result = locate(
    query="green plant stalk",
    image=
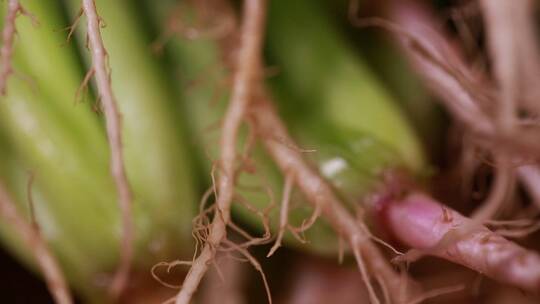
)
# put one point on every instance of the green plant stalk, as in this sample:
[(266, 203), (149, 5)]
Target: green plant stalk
[(155, 150), (329, 82), (51, 144), (55, 69), (77, 200), (202, 57), (199, 61), (358, 131), (14, 177), (63, 144), (334, 105)]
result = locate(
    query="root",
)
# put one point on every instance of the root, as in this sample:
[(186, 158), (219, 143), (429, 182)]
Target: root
[(298, 232), (502, 49), (248, 66), (341, 250), (440, 75), (28, 232), (436, 293), (321, 197), (169, 266), (529, 176), (84, 84), (225, 284), (30, 198), (255, 265), (209, 23), (8, 37), (384, 289), (71, 29), (420, 222), (466, 95), (514, 53), (451, 80), (500, 190), (114, 127), (522, 230), (380, 241), (50, 269), (455, 96), (284, 213), (365, 276)]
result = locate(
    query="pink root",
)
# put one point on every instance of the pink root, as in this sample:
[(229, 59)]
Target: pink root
[(431, 228)]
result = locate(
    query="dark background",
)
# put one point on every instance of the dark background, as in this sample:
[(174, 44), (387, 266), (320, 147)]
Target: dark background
[(18, 286)]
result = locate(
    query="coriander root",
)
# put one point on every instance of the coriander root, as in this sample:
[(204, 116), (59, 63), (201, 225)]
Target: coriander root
[(8, 35), (284, 213), (513, 51), (114, 126), (467, 95), (30, 235), (245, 81), (320, 195), (225, 284), (423, 224)]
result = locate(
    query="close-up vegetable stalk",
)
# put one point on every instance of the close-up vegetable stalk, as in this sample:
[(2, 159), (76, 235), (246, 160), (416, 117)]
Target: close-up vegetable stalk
[(62, 142), (173, 151)]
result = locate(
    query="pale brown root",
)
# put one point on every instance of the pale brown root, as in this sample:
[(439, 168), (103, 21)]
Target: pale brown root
[(514, 53), (380, 241), (518, 232), (404, 282), (455, 95), (251, 240), (502, 21), (365, 276), (210, 22), (384, 289), (517, 223), (298, 232), (467, 33), (169, 266), (8, 36), (341, 249), (225, 284), (255, 265), (319, 281), (265, 221), (84, 84), (284, 213), (468, 164), (499, 20), (442, 73), (31, 207), (71, 29), (306, 224), (245, 81), (504, 180), (529, 176), (320, 195), (46, 261), (436, 292), (467, 95), (114, 135)]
